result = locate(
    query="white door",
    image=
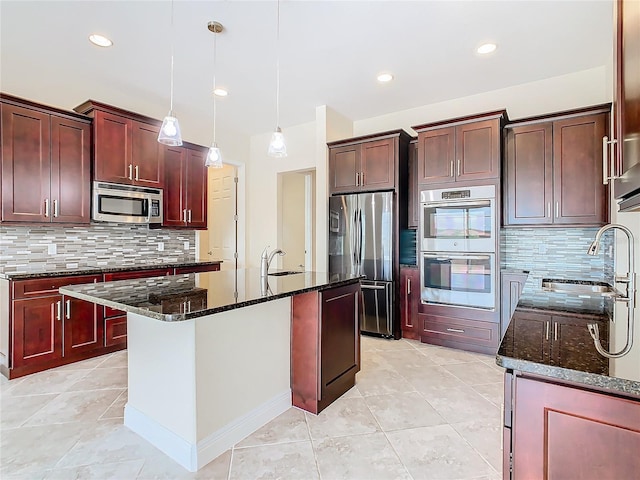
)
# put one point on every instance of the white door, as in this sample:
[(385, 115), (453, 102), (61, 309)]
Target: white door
[(221, 215)]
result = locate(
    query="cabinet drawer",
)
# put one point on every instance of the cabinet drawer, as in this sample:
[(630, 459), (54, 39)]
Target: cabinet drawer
[(47, 286), (115, 331), (197, 268), (459, 330)]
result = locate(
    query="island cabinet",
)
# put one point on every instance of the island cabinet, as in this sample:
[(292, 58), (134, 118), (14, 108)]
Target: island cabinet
[(627, 103), (554, 429), (45, 165), (185, 193), (512, 284), (125, 146), (325, 345), (409, 301), (368, 163), (554, 169), (49, 329), (460, 150)]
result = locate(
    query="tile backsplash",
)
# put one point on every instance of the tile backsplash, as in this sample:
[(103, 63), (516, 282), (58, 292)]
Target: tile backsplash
[(51, 247)]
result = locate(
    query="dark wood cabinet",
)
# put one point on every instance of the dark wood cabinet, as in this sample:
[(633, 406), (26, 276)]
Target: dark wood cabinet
[(125, 147), (554, 170), (185, 193), (510, 291), (369, 163), (131, 275), (37, 336), (409, 300), (325, 345), (627, 99), (45, 164), (196, 269), (460, 150), (556, 430), (413, 191), (560, 340)]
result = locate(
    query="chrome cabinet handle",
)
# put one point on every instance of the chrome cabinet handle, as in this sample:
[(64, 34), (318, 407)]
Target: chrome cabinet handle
[(458, 167), (549, 209), (189, 215), (55, 208), (408, 286), (46, 207), (451, 168), (67, 314), (137, 177), (184, 215), (605, 177), (557, 209), (357, 179), (456, 330), (361, 178), (130, 171), (555, 331), (546, 330), (59, 310)]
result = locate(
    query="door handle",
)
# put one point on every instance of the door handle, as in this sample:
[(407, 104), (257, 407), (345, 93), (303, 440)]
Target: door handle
[(458, 168), (451, 168), (357, 179), (546, 330), (59, 310), (189, 215), (67, 314), (456, 330), (605, 156), (408, 286), (184, 215), (362, 178), (555, 331), (46, 207), (372, 287), (55, 208), (557, 209), (549, 209), (130, 171), (137, 168)]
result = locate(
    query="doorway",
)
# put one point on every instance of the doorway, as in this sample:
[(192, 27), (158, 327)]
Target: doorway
[(296, 219)]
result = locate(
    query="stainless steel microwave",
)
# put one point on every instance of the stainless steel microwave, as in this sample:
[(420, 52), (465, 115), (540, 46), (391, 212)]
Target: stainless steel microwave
[(126, 204)]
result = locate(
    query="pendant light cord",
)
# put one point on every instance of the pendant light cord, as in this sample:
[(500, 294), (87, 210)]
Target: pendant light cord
[(171, 96), (215, 35), (278, 68)]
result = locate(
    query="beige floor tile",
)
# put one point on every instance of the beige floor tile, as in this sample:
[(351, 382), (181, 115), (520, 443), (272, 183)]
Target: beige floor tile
[(485, 436), (102, 378), (115, 360), (122, 470), (346, 416), (50, 381), (474, 373), (437, 452), (494, 392), (353, 392), (461, 404), (354, 458), (287, 460), (291, 426), (382, 382), (409, 410), (431, 379), (116, 409), (15, 411), (75, 407), (403, 360), (88, 364), (376, 343), (447, 356), (161, 467)]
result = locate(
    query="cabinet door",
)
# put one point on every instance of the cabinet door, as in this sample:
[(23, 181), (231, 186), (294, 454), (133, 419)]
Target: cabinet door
[(413, 215), (26, 165), (529, 165), (579, 195), (573, 347), (511, 288), (83, 326), (436, 151), (561, 432), (174, 193), (70, 170), (196, 190), (409, 299), (344, 169), (533, 329), (147, 155), (377, 165), (478, 150), (37, 330), (112, 148)]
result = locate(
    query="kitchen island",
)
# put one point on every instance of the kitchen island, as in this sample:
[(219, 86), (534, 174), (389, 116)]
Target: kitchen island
[(568, 411), (214, 356)]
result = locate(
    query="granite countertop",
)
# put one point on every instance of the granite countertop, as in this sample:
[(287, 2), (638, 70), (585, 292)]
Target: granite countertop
[(226, 290), (517, 349), (18, 273)]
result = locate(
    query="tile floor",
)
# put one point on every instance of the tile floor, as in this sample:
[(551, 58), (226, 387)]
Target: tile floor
[(417, 412)]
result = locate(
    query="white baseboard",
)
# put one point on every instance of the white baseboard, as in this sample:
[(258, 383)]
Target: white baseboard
[(192, 456)]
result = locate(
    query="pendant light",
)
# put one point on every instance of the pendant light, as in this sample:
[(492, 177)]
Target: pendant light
[(170, 130), (214, 157), (277, 146)]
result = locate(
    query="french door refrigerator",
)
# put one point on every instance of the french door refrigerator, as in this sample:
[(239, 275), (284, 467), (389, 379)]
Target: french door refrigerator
[(361, 243)]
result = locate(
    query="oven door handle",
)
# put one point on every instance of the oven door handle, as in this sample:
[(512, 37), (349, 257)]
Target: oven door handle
[(457, 257), (470, 203)]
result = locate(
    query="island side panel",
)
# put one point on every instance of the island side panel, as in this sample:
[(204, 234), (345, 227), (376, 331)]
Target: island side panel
[(305, 347), (5, 305)]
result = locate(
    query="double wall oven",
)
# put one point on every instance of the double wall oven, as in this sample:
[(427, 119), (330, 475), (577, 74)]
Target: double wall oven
[(458, 237)]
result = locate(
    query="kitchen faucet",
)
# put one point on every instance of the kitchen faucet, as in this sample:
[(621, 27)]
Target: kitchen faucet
[(629, 297), (265, 260)]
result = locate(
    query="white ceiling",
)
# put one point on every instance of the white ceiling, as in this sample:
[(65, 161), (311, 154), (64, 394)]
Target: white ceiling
[(331, 52)]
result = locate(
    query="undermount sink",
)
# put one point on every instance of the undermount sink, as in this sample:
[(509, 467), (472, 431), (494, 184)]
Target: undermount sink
[(579, 287), (281, 274)]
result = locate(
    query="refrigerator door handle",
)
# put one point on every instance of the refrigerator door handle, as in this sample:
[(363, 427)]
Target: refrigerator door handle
[(360, 236), (372, 287), (354, 238)]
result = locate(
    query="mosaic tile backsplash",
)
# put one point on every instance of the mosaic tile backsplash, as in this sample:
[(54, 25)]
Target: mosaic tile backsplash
[(27, 248)]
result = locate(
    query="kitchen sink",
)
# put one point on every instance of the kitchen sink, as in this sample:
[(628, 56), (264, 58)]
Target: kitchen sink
[(579, 287), (283, 273)]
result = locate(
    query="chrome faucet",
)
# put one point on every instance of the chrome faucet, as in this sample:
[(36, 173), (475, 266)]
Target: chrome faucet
[(265, 260), (630, 297)]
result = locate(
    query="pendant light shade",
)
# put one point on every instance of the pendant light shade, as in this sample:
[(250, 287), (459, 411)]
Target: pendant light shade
[(170, 133), (214, 157), (277, 146)]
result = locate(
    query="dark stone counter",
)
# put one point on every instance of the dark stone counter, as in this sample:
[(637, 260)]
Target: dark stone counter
[(184, 297), (11, 273)]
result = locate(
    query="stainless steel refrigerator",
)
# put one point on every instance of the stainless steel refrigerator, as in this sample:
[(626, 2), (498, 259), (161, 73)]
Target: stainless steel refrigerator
[(361, 243)]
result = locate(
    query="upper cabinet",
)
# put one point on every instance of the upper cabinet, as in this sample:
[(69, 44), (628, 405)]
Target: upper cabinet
[(45, 174), (368, 163), (126, 148), (460, 150), (553, 170), (627, 101)]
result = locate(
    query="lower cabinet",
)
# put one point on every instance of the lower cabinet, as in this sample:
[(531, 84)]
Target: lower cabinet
[(512, 284), (325, 345), (462, 333), (554, 430), (409, 301)]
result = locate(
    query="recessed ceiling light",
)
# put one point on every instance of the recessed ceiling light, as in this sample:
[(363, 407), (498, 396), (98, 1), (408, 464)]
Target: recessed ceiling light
[(220, 92), (100, 40), (486, 48), (385, 77)]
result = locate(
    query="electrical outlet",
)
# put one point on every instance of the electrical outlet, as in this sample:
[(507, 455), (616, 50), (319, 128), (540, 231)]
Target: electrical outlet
[(186, 245), (161, 246), (52, 249)]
